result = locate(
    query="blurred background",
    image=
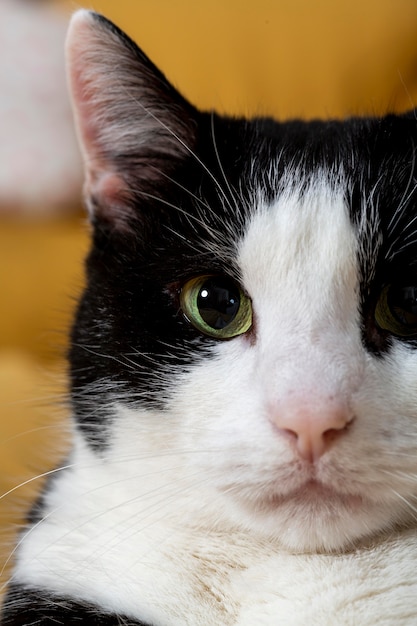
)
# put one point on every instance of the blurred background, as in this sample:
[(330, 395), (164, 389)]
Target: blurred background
[(287, 58)]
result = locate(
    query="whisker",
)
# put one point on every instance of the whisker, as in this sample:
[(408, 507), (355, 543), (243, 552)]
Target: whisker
[(31, 431), (150, 510), (104, 355), (180, 141), (34, 478), (402, 248), (17, 546), (129, 458), (406, 502), (408, 193), (199, 200), (214, 234), (410, 477), (229, 188)]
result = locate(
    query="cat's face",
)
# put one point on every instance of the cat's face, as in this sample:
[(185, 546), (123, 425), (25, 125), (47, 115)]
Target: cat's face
[(250, 318)]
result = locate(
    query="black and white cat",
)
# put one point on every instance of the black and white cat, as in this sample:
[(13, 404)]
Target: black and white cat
[(243, 368)]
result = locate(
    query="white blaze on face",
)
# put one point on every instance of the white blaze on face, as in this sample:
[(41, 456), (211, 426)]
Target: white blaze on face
[(299, 265)]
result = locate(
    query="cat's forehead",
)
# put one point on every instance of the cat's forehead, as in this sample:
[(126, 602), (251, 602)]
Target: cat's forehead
[(303, 238), (300, 263)]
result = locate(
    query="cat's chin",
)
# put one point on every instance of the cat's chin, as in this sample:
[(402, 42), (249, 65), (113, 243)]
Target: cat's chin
[(315, 518)]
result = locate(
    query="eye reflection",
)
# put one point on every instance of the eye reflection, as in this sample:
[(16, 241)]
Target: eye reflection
[(217, 306)]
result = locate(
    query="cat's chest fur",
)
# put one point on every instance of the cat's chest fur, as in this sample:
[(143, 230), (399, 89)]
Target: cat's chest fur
[(171, 566), (243, 367)]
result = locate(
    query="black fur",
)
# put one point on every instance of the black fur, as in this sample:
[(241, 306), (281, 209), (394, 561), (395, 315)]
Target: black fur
[(34, 607)]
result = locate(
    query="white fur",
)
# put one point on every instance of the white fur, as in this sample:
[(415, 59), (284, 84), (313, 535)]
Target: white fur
[(198, 516)]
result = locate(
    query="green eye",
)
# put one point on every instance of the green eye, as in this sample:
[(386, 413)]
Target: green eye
[(396, 310), (216, 306)]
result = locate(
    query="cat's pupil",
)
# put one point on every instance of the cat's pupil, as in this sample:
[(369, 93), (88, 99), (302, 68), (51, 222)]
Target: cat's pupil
[(403, 303), (218, 302)]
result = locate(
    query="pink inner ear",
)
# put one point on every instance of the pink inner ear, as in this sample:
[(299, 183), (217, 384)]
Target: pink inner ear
[(108, 188), (84, 115), (108, 198), (81, 44), (111, 85)]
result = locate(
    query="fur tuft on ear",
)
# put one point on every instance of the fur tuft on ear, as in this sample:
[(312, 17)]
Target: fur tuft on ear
[(132, 124)]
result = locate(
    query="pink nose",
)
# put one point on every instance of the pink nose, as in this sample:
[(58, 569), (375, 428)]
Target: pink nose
[(313, 426)]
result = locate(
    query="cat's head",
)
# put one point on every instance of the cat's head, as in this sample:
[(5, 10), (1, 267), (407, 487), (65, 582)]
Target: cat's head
[(250, 315)]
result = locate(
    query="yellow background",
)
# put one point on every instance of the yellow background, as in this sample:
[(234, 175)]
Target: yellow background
[(285, 57)]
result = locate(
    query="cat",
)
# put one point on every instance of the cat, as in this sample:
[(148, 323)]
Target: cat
[(243, 367)]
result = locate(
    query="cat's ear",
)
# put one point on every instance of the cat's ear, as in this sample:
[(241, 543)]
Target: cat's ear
[(133, 126)]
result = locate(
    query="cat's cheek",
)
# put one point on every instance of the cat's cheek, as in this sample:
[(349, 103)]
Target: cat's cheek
[(220, 402)]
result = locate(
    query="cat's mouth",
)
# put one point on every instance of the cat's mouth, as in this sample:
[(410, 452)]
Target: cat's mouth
[(316, 493), (316, 497), (314, 516)]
